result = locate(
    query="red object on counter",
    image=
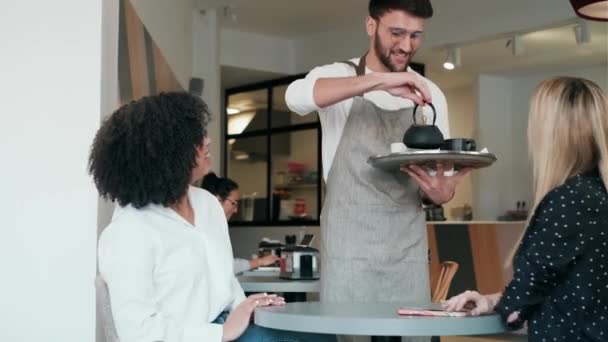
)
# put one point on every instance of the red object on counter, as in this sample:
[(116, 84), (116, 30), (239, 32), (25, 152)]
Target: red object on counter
[(295, 167), (282, 265), (299, 208)]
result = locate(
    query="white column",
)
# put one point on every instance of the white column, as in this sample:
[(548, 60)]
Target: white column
[(493, 187), (110, 100), (51, 90), (206, 65)]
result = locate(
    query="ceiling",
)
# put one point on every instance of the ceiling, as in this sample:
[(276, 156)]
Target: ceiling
[(297, 18), (546, 50), (234, 77), (550, 49)]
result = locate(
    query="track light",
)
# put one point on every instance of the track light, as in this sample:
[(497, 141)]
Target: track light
[(516, 44), (452, 59), (232, 111), (582, 32), (230, 12)]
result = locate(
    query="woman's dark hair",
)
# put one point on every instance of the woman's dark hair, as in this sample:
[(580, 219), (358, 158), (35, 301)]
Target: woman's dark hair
[(219, 186), (144, 153), (418, 8)]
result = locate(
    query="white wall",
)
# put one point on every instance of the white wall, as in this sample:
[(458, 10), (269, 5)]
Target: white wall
[(257, 52), (503, 104), (170, 26), (523, 87), (461, 108), (206, 65), (50, 110), (494, 185)]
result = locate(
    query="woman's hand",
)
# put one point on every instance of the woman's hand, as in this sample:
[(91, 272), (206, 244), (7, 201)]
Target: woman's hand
[(239, 318), (477, 304)]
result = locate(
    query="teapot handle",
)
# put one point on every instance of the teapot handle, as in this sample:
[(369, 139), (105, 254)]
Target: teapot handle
[(434, 112)]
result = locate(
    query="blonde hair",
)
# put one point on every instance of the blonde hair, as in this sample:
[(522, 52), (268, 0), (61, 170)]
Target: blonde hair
[(567, 135)]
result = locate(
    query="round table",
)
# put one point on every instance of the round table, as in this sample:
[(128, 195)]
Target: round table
[(370, 319), (293, 290)]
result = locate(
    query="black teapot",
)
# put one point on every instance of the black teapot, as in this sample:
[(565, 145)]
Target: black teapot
[(423, 136)]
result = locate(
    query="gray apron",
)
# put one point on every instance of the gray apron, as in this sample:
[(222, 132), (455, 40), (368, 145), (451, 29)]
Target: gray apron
[(374, 243)]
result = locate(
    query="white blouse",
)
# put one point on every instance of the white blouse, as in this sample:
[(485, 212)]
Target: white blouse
[(299, 98), (167, 279)]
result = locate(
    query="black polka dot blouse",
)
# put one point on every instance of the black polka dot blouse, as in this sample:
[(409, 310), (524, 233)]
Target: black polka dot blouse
[(560, 280)]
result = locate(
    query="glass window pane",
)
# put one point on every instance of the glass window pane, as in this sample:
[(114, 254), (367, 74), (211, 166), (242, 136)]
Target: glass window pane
[(281, 115), (294, 176), (247, 111), (248, 166)]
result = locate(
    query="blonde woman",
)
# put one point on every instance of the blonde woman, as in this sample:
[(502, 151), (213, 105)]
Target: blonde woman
[(560, 281)]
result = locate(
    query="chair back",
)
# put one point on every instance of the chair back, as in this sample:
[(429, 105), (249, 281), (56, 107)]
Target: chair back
[(105, 310), (446, 274)]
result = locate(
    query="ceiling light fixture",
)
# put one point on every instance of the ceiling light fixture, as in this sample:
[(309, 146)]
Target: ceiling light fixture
[(232, 111), (516, 45), (452, 59), (238, 123), (230, 12), (582, 32), (242, 156), (591, 9)]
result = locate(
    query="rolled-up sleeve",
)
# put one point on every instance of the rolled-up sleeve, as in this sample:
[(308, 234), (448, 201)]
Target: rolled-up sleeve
[(241, 265), (299, 96)]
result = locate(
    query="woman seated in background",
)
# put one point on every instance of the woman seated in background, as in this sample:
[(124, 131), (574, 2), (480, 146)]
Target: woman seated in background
[(166, 255), (561, 265), (227, 192)]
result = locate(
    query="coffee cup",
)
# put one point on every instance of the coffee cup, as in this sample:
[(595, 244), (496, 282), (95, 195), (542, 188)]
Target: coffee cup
[(459, 144)]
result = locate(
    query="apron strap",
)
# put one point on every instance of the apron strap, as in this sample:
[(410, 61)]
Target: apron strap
[(360, 69)]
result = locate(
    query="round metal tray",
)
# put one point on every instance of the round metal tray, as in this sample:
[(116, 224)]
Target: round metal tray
[(459, 159)]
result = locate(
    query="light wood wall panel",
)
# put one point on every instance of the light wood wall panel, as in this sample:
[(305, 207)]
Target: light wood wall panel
[(138, 64)]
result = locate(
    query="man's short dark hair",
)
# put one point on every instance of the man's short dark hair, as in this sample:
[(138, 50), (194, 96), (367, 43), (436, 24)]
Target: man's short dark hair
[(418, 8), (144, 153)]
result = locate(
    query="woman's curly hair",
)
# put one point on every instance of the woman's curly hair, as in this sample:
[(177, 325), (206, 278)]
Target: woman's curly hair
[(144, 153)]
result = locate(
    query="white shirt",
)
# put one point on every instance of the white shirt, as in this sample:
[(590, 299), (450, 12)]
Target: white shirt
[(299, 98), (167, 278), (241, 265)]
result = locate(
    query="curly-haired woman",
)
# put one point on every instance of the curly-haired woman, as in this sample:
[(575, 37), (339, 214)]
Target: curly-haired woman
[(166, 255)]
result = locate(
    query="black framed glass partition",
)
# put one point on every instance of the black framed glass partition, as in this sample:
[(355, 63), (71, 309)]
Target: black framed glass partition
[(274, 155)]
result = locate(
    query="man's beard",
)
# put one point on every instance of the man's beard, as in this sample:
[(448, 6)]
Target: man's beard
[(385, 58)]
